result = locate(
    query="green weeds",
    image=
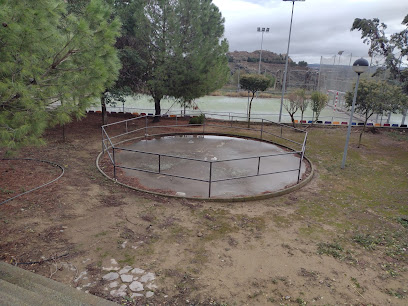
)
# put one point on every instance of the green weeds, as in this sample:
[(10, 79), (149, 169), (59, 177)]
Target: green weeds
[(331, 249)]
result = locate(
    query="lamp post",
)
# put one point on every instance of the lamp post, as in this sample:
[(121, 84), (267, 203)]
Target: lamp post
[(359, 66), (263, 30), (287, 59)]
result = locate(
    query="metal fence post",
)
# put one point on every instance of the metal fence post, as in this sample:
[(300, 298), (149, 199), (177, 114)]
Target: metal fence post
[(259, 162), (103, 142), (114, 164), (159, 163), (232, 119), (300, 165), (209, 181), (301, 157), (262, 128), (281, 131), (204, 120), (145, 126)]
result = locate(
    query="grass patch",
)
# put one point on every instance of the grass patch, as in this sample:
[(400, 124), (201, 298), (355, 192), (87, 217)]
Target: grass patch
[(399, 293), (101, 234), (217, 222), (6, 191), (331, 249), (128, 260), (393, 243), (369, 242), (403, 222)]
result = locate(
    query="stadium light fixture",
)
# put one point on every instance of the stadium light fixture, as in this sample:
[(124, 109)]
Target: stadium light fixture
[(359, 66), (263, 30), (287, 59)]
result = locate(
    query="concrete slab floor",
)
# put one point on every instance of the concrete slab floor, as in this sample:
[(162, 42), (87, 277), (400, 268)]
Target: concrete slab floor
[(208, 148)]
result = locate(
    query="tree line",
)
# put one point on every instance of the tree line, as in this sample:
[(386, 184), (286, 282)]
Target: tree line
[(57, 57)]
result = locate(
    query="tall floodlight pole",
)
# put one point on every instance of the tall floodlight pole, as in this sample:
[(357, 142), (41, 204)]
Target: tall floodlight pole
[(340, 53), (359, 67), (263, 30), (287, 60)]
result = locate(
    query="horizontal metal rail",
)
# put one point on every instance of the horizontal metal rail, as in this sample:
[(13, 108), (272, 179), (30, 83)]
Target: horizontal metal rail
[(146, 129), (253, 157), (163, 173), (253, 175), (127, 133), (164, 155), (207, 161), (292, 141), (203, 180)]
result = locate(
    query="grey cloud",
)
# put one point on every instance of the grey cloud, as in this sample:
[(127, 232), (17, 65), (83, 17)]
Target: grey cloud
[(319, 27)]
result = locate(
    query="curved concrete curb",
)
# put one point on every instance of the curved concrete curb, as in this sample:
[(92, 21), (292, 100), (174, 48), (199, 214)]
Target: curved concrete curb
[(234, 199)]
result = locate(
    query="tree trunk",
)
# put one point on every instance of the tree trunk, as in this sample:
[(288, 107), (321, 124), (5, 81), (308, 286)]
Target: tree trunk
[(301, 119), (362, 132), (249, 110), (104, 113), (157, 109)]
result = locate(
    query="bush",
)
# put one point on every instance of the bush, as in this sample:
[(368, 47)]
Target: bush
[(197, 120)]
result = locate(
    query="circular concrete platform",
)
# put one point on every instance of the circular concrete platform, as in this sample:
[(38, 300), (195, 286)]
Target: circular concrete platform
[(203, 149)]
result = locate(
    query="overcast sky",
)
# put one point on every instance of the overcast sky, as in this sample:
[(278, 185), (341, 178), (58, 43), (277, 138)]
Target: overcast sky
[(320, 27)]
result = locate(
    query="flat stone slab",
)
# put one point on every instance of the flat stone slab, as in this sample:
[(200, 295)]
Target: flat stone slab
[(148, 277), (111, 276), (136, 286), (126, 278), (125, 270), (113, 284), (136, 295), (121, 292), (129, 281), (149, 294), (138, 271)]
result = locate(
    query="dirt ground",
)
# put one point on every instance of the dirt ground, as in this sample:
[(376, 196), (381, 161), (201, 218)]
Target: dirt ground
[(341, 240)]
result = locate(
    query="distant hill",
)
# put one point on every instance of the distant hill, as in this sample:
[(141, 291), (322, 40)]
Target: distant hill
[(315, 66), (273, 64)]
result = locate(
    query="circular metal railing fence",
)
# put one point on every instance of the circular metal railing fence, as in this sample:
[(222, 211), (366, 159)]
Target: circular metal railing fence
[(114, 135)]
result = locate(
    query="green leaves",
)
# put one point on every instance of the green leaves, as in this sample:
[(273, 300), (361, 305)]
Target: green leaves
[(318, 102), (254, 82), (394, 48), (376, 97), (173, 48), (52, 65)]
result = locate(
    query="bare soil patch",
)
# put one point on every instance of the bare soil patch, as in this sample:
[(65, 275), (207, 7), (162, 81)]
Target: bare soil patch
[(340, 240)]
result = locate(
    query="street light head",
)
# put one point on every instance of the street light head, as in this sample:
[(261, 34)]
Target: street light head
[(360, 66)]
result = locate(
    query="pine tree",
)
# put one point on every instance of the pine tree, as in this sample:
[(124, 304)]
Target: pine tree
[(201, 64), (52, 65), (173, 48)]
